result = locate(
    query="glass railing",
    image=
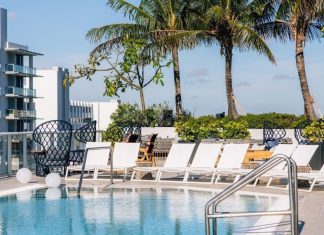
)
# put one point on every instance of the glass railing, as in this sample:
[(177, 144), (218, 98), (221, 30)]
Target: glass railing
[(19, 114), (20, 69), (17, 91), (19, 154)]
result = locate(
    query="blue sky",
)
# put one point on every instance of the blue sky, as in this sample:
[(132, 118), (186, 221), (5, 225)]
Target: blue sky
[(57, 29)]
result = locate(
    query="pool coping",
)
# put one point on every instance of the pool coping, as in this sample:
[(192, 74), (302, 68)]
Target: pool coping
[(9, 192)]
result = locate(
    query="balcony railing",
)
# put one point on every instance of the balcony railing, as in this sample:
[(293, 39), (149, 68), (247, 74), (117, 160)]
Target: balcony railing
[(20, 114), (19, 69), (17, 91), (16, 151)]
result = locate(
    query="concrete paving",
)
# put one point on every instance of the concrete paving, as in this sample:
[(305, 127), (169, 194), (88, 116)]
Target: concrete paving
[(311, 206)]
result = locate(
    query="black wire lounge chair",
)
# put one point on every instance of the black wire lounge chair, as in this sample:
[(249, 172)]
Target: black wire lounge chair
[(86, 133), (55, 140), (299, 132), (272, 134)]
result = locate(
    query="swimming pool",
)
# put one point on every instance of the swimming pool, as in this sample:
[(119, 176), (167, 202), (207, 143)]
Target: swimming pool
[(120, 211)]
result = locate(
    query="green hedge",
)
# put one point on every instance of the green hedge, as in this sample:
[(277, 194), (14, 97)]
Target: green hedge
[(211, 127), (255, 121)]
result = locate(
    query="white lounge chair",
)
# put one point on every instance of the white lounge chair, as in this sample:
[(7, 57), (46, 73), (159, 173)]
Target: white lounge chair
[(302, 156), (284, 149), (176, 161), (97, 156), (231, 160), (124, 158), (204, 161), (313, 177)]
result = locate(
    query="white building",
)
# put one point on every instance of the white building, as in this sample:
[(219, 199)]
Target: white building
[(17, 93), (82, 112), (54, 102)]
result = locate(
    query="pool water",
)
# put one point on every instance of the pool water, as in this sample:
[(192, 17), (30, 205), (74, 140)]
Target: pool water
[(120, 211)]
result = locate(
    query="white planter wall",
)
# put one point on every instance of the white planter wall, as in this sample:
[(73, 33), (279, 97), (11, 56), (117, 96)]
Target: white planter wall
[(169, 132)]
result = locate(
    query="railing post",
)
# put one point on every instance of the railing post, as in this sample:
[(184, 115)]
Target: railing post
[(24, 151), (9, 151)]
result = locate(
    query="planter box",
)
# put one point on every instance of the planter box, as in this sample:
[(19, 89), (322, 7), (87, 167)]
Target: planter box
[(318, 158)]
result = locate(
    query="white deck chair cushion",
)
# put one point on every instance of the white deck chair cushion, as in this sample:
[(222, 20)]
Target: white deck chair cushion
[(303, 154), (232, 156), (179, 155), (97, 157), (125, 154), (206, 155), (285, 149)]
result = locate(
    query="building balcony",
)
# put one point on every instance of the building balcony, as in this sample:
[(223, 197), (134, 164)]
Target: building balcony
[(15, 114), (14, 69), (20, 92)]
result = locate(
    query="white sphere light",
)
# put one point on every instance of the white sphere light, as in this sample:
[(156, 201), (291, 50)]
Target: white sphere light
[(53, 194), (24, 175), (53, 180)]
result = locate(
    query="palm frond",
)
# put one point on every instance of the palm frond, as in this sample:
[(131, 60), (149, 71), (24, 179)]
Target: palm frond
[(215, 12), (246, 38), (131, 11), (313, 31), (284, 10), (112, 31), (182, 39)]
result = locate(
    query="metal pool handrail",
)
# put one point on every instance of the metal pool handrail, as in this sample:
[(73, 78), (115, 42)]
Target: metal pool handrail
[(83, 167), (211, 213)]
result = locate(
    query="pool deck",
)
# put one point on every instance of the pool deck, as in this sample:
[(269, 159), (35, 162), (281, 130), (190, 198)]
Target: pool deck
[(311, 206)]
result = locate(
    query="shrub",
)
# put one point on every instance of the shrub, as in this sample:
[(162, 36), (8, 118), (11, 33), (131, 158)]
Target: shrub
[(281, 119), (315, 131), (198, 128), (210, 127), (235, 130), (128, 115)]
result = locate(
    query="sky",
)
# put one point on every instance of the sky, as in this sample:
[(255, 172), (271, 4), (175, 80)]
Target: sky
[(57, 29)]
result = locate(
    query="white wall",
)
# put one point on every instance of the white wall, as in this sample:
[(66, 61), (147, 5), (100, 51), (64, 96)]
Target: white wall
[(163, 132), (169, 132), (102, 112), (53, 103)]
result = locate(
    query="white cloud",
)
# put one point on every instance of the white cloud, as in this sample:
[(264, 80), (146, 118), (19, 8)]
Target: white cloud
[(198, 72), (243, 84)]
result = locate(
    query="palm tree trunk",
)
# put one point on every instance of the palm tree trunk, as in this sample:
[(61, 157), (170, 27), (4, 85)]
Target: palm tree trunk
[(300, 63), (232, 112), (177, 85), (142, 99)]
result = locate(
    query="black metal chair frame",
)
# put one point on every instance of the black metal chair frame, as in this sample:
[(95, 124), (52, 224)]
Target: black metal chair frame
[(86, 133), (55, 139), (299, 132), (272, 132), (133, 132)]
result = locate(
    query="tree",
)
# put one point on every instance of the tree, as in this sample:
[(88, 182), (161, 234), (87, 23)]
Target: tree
[(232, 24), (129, 72), (153, 19), (299, 21)]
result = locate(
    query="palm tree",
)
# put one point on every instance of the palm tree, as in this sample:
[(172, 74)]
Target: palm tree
[(232, 24), (301, 21), (153, 19)]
